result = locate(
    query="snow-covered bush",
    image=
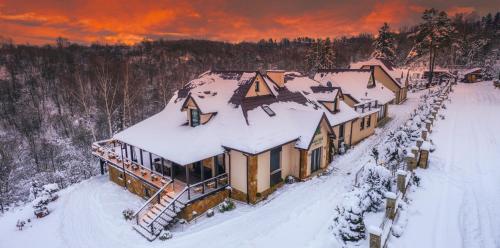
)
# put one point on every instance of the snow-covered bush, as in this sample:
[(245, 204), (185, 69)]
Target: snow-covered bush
[(20, 224), (348, 221), (227, 205), (376, 181), (128, 214), (289, 180), (210, 213), (165, 235)]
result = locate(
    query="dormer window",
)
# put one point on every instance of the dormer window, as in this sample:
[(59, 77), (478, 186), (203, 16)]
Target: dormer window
[(257, 86), (195, 117), (268, 110)]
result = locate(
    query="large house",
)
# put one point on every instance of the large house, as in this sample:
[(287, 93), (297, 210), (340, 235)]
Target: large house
[(242, 129), (387, 74)]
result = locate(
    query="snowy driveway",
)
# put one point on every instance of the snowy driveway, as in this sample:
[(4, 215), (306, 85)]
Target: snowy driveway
[(458, 203)]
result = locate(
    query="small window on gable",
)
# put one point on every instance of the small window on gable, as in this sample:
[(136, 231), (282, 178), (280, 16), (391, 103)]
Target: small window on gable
[(257, 86), (336, 105), (268, 110), (195, 117)]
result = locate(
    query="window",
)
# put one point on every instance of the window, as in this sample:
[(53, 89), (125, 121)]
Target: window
[(362, 123), (315, 159), (195, 117), (257, 86), (268, 110), (368, 121), (336, 105), (275, 166)]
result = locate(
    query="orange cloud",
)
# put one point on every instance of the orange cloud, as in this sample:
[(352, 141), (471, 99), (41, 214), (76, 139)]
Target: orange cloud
[(114, 21)]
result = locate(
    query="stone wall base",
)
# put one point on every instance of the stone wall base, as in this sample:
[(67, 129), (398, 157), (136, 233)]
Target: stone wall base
[(204, 204)]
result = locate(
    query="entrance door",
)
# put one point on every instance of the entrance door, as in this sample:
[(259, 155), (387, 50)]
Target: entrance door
[(315, 159)]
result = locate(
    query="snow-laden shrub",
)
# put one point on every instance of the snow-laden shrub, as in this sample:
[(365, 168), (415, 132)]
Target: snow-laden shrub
[(165, 235), (227, 205), (348, 220), (210, 213), (289, 180), (376, 181), (128, 214), (20, 224)]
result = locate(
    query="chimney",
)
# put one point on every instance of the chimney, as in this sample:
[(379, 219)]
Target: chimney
[(278, 76)]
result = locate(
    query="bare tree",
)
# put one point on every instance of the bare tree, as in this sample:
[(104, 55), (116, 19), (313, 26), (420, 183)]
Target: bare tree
[(108, 90)]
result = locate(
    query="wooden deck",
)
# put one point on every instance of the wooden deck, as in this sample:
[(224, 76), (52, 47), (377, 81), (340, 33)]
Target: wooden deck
[(153, 178)]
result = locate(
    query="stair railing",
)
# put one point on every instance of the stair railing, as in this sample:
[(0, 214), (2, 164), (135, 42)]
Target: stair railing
[(170, 204), (150, 202)]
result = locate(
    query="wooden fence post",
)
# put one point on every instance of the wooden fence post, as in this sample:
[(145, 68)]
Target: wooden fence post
[(423, 160), (428, 125), (375, 237), (401, 181), (424, 134), (390, 207)]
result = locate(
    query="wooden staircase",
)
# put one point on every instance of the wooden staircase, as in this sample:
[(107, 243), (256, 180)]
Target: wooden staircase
[(159, 212)]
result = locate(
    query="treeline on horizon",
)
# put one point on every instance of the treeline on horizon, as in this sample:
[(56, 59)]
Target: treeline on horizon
[(55, 100)]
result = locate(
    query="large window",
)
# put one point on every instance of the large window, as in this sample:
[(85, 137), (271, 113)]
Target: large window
[(369, 121), (362, 123), (195, 117), (315, 159), (275, 166)]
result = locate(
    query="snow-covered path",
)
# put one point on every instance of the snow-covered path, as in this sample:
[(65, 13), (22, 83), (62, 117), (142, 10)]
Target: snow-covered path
[(458, 204), (298, 215)]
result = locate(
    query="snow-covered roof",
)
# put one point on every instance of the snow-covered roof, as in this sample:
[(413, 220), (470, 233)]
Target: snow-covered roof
[(355, 83), (386, 65), (318, 92), (240, 123), (465, 72)]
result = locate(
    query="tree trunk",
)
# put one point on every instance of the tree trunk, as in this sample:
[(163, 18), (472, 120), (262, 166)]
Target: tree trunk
[(430, 66)]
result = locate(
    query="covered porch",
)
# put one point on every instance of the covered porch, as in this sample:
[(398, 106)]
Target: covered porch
[(186, 182)]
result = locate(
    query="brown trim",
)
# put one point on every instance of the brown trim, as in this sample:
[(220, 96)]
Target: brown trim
[(248, 195)]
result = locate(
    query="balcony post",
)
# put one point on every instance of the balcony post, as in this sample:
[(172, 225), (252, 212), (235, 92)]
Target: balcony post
[(140, 152), (202, 177), (187, 181), (150, 161), (162, 165)]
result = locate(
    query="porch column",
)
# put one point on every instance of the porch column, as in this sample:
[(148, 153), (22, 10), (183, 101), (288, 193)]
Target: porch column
[(150, 161), (101, 163), (202, 177), (126, 151), (187, 181), (162, 165), (140, 152), (121, 151)]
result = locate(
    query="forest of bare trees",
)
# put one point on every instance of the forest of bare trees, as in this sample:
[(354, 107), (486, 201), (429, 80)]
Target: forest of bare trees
[(55, 100)]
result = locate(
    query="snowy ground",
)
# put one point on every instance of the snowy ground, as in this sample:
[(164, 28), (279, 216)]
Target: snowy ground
[(458, 203), (298, 215)]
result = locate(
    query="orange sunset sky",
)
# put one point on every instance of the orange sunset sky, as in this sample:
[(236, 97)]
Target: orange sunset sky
[(112, 21)]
